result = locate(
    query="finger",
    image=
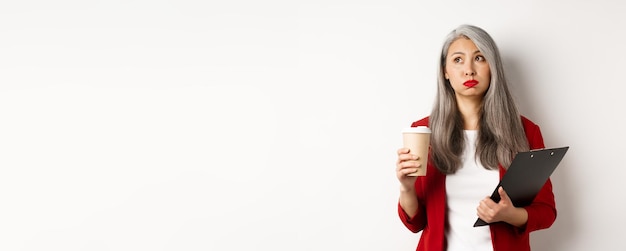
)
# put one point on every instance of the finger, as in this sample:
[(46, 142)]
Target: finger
[(407, 164), (403, 150), (410, 164), (404, 170), (404, 157), (483, 214), (407, 171), (407, 160), (488, 203), (485, 211), (503, 195), (402, 166)]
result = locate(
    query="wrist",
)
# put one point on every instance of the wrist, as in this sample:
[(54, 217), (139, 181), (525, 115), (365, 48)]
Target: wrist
[(404, 189), (519, 217)]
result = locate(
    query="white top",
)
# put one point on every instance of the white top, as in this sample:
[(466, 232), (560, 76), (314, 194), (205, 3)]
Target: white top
[(464, 190)]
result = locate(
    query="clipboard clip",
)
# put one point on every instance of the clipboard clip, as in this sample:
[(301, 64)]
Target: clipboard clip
[(551, 154)]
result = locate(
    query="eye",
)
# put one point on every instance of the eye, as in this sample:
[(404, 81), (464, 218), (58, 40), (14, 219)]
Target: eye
[(457, 60), (480, 58)]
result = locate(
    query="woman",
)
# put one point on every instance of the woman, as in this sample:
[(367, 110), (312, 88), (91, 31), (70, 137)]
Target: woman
[(476, 131)]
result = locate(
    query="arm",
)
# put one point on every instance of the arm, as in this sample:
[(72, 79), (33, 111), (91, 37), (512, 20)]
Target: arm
[(417, 221), (542, 211), (540, 214), (504, 210), (408, 203), (411, 210), (404, 166)]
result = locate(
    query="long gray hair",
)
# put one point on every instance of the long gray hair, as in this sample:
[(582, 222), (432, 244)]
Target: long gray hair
[(500, 131)]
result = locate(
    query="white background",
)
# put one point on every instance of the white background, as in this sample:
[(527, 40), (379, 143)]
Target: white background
[(273, 125)]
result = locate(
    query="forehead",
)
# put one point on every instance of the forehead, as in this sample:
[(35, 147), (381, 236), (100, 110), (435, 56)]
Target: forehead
[(462, 45)]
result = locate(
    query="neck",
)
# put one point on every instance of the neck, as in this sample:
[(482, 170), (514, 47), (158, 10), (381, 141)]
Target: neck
[(470, 110)]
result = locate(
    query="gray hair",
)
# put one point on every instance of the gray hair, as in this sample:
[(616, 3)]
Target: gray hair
[(500, 133)]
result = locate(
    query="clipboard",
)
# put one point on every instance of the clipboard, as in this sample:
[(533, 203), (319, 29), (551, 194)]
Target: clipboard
[(527, 174)]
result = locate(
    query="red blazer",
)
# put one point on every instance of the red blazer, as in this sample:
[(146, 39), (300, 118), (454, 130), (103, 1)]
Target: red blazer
[(431, 194)]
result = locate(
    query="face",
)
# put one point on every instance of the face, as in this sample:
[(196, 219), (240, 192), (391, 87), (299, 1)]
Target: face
[(467, 69)]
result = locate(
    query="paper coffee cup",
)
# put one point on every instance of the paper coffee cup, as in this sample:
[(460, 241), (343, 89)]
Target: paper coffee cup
[(417, 139)]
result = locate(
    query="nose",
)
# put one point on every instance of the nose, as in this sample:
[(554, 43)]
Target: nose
[(469, 69)]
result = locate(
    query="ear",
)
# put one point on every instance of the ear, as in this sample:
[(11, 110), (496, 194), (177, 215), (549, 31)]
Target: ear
[(446, 76)]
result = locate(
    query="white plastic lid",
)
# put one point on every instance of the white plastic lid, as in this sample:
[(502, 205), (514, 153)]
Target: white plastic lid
[(419, 129)]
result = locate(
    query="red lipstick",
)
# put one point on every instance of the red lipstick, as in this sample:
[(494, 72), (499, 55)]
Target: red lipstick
[(470, 83)]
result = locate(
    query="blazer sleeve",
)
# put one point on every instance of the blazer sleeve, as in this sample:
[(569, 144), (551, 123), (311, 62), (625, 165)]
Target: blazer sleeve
[(542, 211), (415, 224)]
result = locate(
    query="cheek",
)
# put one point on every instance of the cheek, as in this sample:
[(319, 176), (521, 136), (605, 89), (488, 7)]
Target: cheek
[(450, 72), (486, 71)]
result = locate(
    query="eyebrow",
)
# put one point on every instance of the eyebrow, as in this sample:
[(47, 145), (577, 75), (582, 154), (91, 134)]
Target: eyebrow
[(458, 52)]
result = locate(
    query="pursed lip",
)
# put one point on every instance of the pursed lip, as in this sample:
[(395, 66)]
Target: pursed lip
[(470, 83)]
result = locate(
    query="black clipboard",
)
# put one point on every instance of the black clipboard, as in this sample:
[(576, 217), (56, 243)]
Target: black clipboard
[(527, 174)]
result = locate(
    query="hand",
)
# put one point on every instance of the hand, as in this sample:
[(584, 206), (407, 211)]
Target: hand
[(490, 211), (407, 163)]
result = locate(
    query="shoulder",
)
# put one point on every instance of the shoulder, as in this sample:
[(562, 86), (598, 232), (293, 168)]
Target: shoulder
[(421, 122), (533, 134), (528, 124)]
